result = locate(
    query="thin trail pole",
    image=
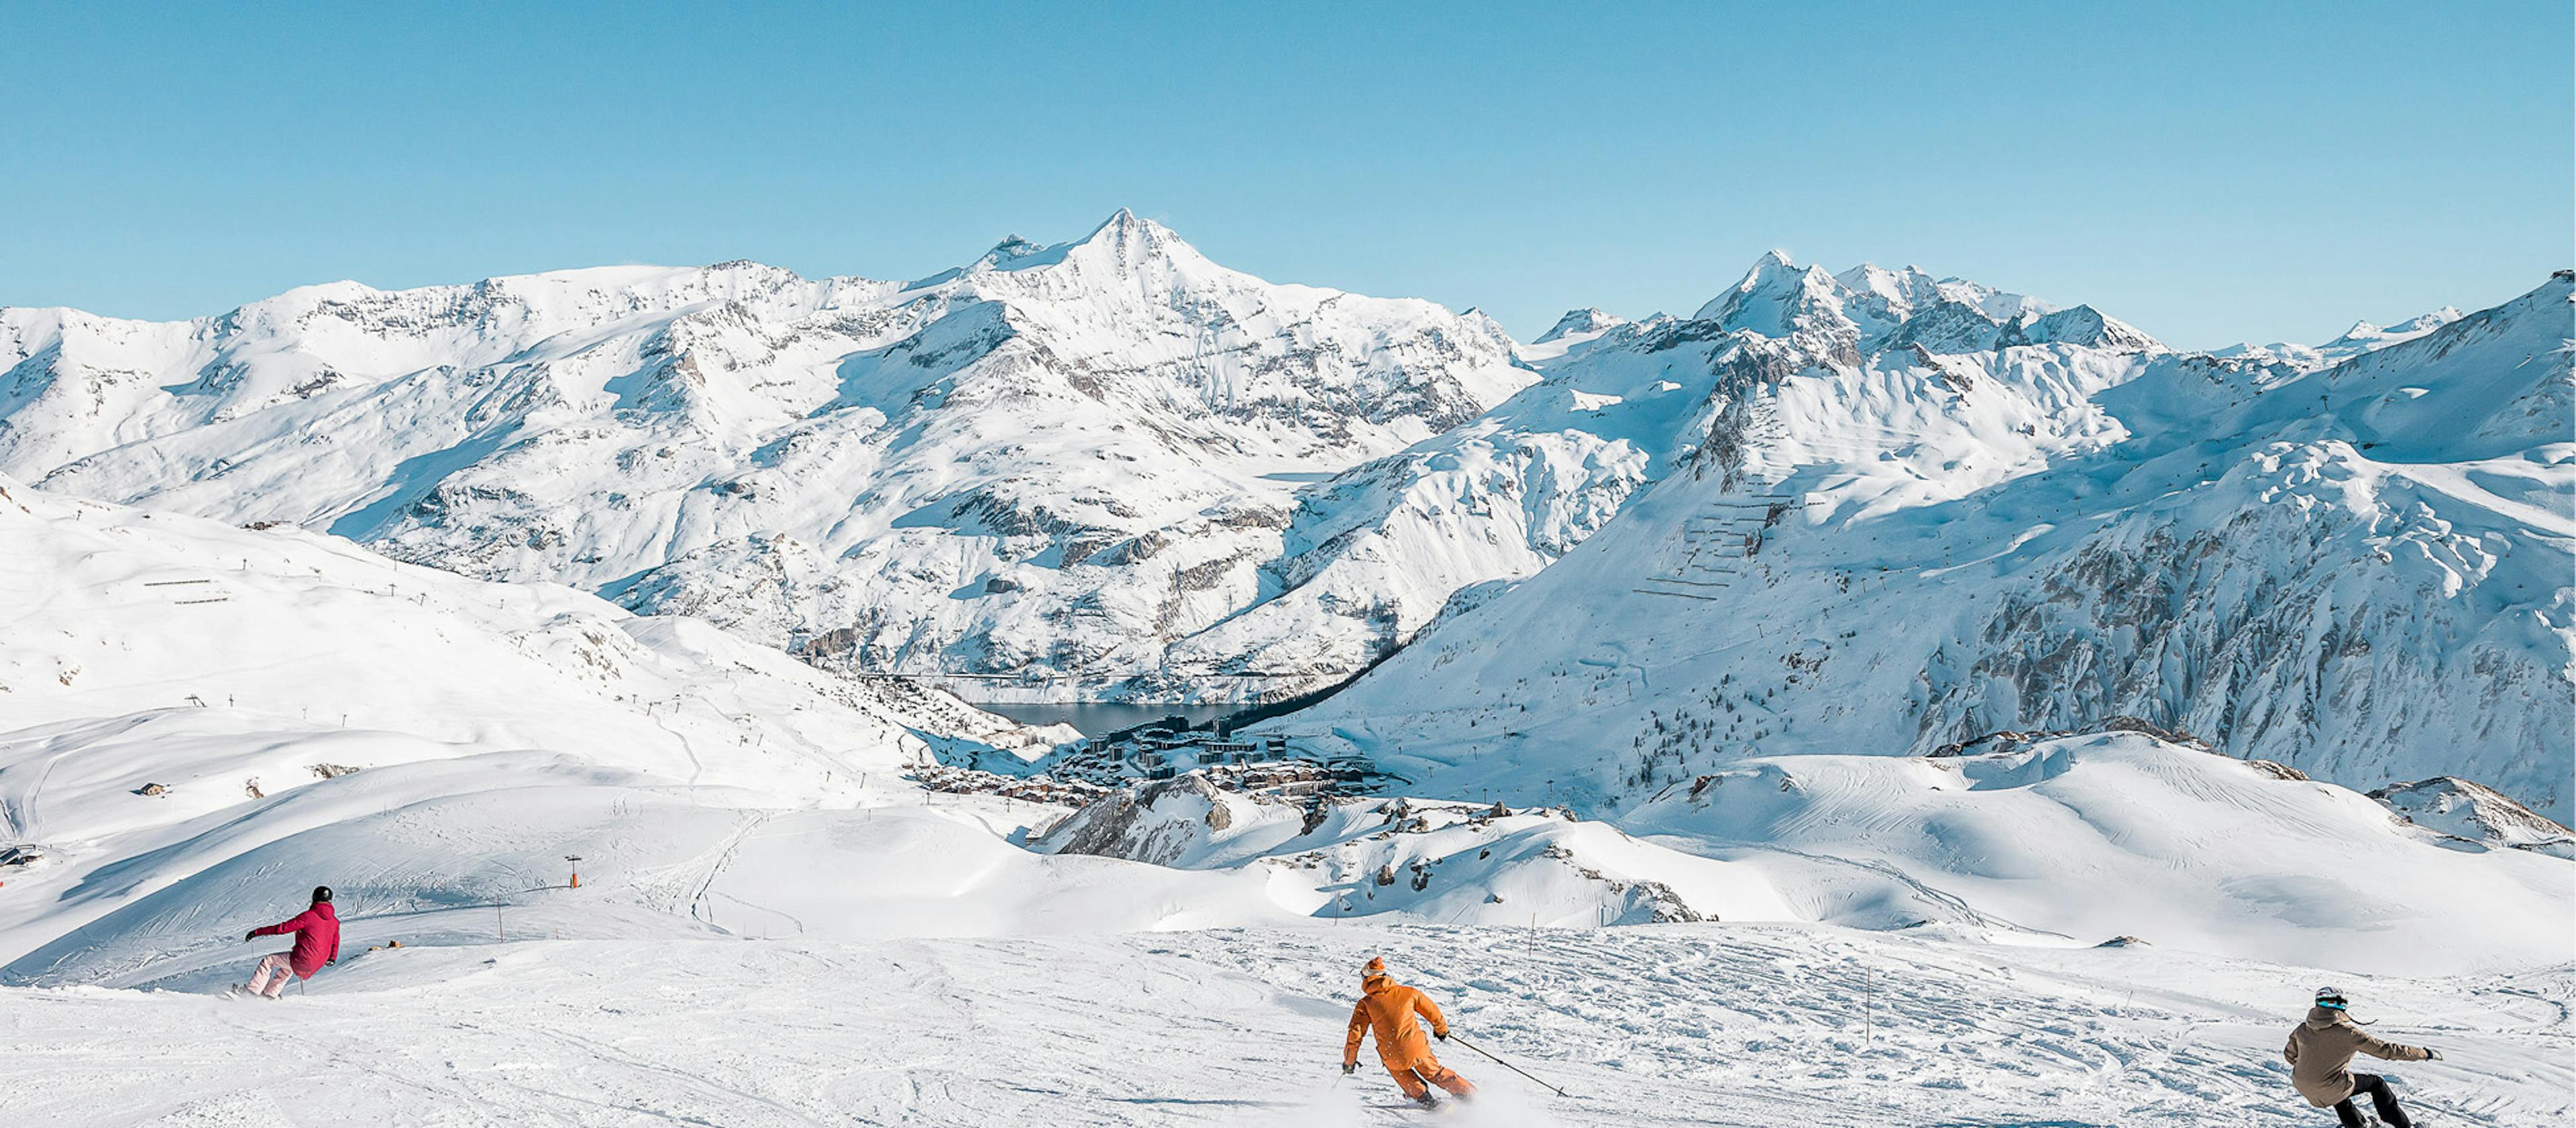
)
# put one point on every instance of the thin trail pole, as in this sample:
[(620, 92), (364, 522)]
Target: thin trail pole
[(1453, 1036)]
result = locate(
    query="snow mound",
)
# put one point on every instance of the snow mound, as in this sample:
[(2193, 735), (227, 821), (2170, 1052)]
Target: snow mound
[(2477, 813), (1446, 862), (2119, 834), (2019, 845)]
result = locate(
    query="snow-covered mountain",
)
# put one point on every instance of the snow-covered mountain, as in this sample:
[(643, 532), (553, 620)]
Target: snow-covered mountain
[(1074, 461), (1571, 332), (1449, 522), (1585, 324), (2361, 338), (1114, 464), (1876, 513)]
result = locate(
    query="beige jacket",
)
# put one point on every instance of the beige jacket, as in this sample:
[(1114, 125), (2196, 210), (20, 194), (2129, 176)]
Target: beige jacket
[(2323, 1045)]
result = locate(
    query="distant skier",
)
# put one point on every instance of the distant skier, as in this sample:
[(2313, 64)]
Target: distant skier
[(1387, 1007), (2323, 1045), (317, 942)]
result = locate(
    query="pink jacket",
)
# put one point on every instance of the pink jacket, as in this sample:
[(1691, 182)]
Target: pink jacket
[(317, 938)]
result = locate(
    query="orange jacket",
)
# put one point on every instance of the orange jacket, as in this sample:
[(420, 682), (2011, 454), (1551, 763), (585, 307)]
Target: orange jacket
[(1388, 1007)]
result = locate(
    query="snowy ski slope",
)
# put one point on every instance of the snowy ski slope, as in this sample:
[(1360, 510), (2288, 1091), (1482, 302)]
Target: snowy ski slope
[(1723, 1025)]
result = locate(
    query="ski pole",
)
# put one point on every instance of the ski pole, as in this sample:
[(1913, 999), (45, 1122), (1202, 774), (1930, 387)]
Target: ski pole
[(1453, 1036)]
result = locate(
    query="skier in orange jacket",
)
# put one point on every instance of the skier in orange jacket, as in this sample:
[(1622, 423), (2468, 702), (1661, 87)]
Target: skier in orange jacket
[(1388, 1007)]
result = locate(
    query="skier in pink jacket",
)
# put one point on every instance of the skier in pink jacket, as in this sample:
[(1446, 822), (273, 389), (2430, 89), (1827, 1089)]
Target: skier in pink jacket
[(317, 942)]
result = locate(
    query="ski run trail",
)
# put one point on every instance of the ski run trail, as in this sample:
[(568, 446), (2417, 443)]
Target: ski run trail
[(1652, 1025)]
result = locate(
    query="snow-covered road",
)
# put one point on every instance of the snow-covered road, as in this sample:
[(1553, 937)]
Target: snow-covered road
[(1663, 1025)]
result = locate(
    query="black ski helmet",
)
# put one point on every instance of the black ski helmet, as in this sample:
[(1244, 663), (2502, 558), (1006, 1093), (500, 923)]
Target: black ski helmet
[(321, 893)]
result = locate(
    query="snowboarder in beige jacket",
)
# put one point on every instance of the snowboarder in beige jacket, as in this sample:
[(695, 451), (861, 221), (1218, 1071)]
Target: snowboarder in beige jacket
[(2320, 1049)]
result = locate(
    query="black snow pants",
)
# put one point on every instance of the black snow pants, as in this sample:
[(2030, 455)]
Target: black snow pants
[(2380, 1098)]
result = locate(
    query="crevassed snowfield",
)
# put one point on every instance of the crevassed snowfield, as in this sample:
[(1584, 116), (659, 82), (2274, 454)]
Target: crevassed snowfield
[(1693, 621)]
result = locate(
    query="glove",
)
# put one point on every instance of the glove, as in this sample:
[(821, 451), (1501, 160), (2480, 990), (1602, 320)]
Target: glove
[(1443, 1035), (249, 936), (1350, 1067), (2437, 1054)]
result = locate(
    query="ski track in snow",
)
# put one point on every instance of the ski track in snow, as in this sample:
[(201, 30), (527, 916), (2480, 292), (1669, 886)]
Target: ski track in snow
[(1718, 1025)]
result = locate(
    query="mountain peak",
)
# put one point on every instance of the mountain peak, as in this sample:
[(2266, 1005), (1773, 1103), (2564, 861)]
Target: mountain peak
[(1910, 285), (1124, 226), (1773, 292), (2367, 335), (2086, 326), (1124, 243), (1121, 244), (1590, 319), (1773, 264)]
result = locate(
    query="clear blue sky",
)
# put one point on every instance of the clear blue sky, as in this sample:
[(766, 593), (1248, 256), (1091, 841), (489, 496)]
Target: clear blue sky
[(2210, 172)]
